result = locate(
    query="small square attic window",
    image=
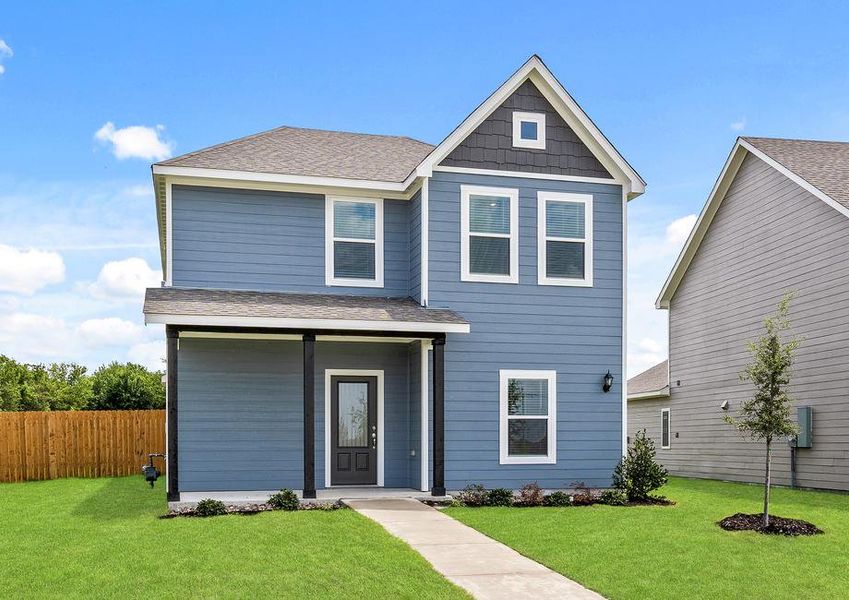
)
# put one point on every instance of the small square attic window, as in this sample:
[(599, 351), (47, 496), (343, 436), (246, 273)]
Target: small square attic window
[(529, 130)]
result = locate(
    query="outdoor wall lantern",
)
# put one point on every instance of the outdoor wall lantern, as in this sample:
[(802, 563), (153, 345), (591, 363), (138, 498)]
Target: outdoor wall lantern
[(608, 382)]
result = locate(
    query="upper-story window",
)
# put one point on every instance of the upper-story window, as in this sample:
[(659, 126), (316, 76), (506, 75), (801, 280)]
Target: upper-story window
[(564, 239), (529, 130), (489, 244), (353, 242)]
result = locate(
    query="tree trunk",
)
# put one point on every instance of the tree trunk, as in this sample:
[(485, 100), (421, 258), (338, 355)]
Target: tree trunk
[(766, 483)]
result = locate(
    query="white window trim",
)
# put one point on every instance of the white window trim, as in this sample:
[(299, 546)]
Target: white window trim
[(505, 375), (542, 237), (329, 238), (539, 119), (669, 427), (465, 192)]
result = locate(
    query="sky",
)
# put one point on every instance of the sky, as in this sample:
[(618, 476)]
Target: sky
[(91, 94)]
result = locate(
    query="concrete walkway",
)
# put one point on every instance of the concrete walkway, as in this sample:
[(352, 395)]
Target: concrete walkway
[(487, 569)]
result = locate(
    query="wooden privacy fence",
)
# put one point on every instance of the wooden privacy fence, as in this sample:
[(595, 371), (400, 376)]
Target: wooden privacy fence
[(90, 443)]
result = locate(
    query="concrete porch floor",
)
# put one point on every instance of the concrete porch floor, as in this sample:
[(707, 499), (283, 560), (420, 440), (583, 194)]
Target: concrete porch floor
[(189, 499)]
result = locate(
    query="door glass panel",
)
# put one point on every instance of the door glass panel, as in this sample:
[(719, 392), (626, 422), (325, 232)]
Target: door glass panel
[(353, 415)]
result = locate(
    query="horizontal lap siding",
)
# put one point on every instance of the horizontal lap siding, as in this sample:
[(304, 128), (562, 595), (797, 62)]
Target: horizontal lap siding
[(769, 236), (241, 411), (576, 331), (271, 241)]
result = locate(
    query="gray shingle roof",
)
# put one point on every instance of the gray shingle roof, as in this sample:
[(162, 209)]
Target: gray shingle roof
[(825, 165), (655, 379), (314, 153), (225, 303)]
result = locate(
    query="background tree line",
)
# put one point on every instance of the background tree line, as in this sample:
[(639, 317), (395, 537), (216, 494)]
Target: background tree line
[(69, 386)]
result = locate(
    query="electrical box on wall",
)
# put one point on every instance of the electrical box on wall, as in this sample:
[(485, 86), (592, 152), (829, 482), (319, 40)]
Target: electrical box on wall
[(805, 419)]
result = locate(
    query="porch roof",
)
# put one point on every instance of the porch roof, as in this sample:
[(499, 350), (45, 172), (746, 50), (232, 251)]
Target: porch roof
[(230, 308)]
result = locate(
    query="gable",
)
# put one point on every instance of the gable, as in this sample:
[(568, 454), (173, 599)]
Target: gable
[(490, 145)]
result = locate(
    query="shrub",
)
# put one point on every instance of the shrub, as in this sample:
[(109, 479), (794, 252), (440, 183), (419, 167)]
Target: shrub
[(531, 495), (558, 498), (210, 508), (584, 495), (613, 497), (500, 497), (637, 474), (285, 500), (126, 387), (473, 494)]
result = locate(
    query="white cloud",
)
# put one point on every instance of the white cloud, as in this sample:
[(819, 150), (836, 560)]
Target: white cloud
[(109, 331), (5, 52), (26, 271), (125, 279), (646, 353), (136, 141), (738, 125), (679, 230), (33, 338), (149, 354), (139, 191)]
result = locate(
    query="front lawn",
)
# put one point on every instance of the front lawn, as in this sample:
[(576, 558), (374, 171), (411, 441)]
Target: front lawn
[(100, 538), (678, 552)]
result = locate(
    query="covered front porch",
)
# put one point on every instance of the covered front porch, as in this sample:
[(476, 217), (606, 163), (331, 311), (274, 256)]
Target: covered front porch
[(331, 407)]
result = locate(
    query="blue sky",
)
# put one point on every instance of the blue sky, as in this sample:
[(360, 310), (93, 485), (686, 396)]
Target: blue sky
[(672, 88)]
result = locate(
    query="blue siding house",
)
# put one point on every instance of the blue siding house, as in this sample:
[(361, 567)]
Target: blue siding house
[(346, 310)]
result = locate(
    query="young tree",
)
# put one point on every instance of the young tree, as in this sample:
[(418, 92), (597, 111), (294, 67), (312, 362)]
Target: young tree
[(766, 415)]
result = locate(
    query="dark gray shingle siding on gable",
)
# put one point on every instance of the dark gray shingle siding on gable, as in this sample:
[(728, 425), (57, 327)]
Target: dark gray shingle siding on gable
[(271, 241), (490, 145), (576, 331), (769, 236)]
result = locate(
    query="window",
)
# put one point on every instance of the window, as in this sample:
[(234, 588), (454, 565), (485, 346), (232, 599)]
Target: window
[(354, 242), (529, 130), (664, 429), (564, 239), (528, 417), (489, 244)]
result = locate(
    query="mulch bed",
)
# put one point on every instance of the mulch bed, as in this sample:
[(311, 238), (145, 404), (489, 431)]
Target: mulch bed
[(777, 525), (250, 509)]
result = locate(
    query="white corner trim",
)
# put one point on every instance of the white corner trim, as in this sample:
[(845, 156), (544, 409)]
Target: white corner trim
[(424, 244), (544, 176), (624, 322), (668, 429), (317, 324), (466, 191), (169, 235), (542, 237), (330, 278), (424, 421), (528, 117), (504, 376), (328, 373)]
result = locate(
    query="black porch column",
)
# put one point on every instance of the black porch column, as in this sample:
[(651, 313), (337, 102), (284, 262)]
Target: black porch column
[(309, 415), (172, 342), (438, 417)]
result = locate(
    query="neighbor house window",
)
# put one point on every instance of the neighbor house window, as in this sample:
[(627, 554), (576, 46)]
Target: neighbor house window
[(564, 239), (489, 245), (354, 242), (529, 130), (664, 428), (528, 417)]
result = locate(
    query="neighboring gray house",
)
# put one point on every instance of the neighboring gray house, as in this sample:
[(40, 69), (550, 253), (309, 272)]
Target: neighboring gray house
[(369, 310), (777, 220)]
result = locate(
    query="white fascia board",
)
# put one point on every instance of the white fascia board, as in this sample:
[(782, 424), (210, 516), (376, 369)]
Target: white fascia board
[(317, 324), (648, 395), (565, 105)]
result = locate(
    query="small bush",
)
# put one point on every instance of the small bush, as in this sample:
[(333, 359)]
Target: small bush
[(584, 495), (500, 497), (637, 474), (558, 498), (473, 494), (210, 508), (531, 495), (285, 500), (613, 497)]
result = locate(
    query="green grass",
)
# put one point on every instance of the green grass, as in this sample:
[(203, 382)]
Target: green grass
[(100, 538), (678, 552)]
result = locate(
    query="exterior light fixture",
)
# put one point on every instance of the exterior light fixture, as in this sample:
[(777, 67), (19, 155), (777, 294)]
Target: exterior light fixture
[(608, 382), (724, 405)]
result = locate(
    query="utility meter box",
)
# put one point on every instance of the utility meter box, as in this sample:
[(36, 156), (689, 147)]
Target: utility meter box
[(805, 419)]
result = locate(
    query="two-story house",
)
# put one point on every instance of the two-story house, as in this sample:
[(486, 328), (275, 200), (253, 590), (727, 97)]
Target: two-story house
[(345, 309)]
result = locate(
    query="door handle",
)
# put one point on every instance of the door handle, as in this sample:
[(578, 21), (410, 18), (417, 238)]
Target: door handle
[(373, 439)]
